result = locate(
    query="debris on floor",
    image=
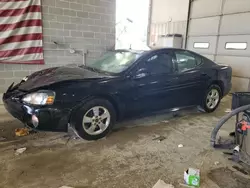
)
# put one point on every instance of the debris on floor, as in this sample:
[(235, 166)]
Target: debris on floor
[(22, 132), (216, 163), (162, 184), (228, 110), (20, 151), (160, 138), (180, 146), (192, 177), (66, 187), (165, 121), (2, 139)]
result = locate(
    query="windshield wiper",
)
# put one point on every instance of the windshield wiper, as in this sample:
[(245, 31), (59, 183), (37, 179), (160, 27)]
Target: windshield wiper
[(89, 68)]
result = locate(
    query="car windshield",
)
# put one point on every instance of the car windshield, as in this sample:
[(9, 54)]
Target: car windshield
[(114, 62)]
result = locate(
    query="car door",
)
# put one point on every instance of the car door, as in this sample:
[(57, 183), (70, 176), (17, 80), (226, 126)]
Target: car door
[(191, 79), (152, 83)]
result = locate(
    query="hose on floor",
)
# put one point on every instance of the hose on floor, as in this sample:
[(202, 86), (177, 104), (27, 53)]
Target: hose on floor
[(224, 120)]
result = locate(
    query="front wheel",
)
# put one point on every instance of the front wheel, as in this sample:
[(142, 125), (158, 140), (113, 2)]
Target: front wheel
[(212, 98), (95, 119)]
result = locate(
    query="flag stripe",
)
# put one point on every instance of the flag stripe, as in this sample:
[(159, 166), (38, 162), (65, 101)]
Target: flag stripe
[(40, 62), (25, 44), (11, 0), (18, 5), (26, 57), (16, 12), (16, 19), (20, 31), (21, 38), (21, 51), (26, 23)]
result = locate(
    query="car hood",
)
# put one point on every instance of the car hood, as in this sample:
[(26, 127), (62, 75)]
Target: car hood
[(58, 74)]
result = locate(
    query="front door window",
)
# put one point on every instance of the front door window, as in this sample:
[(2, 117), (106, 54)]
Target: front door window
[(160, 63)]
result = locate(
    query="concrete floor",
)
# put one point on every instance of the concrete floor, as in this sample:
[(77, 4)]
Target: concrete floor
[(129, 157)]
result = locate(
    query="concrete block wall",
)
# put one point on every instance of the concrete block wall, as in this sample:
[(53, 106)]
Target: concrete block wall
[(85, 25)]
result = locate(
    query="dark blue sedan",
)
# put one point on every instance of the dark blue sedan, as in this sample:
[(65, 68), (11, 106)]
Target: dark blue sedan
[(91, 98)]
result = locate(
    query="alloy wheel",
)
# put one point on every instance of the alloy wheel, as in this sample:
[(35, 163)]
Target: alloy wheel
[(212, 99), (96, 120)]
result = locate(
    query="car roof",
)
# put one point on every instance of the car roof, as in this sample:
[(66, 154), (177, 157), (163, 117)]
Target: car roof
[(151, 50), (131, 50)]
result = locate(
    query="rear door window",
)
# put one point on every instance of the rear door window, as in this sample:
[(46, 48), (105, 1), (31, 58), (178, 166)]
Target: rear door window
[(186, 60)]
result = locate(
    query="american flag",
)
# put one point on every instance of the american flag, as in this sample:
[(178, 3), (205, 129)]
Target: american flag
[(21, 32)]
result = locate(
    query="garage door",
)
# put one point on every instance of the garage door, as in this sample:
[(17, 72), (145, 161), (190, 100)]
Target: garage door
[(220, 30)]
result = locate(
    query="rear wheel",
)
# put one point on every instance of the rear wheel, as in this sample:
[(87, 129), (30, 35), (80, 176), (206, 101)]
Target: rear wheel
[(95, 119), (212, 98)]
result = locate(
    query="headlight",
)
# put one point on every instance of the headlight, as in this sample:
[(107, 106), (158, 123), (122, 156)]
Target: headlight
[(40, 98)]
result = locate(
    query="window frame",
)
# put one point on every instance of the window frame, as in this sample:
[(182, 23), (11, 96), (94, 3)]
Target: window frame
[(193, 55)]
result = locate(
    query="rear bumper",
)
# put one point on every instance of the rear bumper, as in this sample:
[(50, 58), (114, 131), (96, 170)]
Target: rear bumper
[(49, 118)]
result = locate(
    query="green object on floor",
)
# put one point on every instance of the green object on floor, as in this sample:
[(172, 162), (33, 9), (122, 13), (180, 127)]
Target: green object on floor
[(192, 177)]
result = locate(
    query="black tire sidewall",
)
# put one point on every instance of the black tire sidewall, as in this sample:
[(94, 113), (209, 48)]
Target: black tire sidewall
[(205, 98), (86, 107)]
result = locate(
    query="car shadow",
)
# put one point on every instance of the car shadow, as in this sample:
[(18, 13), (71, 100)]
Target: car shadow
[(153, 118)]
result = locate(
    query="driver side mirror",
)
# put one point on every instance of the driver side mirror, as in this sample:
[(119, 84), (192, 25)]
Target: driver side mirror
[(140, 73)]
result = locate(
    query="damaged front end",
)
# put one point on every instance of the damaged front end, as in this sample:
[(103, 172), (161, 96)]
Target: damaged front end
[(36, 113)]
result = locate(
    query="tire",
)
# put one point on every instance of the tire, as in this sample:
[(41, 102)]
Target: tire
[(211, 103), (88, 125)]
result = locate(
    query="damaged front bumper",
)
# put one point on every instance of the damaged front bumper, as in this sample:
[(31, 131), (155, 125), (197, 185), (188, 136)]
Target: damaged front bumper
[(44, 118)]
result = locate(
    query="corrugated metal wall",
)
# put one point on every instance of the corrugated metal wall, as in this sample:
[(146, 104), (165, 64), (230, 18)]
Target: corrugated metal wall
[(219, 30)]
